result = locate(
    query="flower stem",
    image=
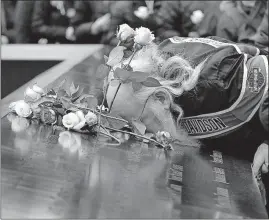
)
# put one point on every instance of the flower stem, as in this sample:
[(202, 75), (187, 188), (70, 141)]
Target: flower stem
[(137, 135), (132, 56), (99, 118), (115, 118), (178, 142), (114, 98), (109, 135), (144, 106), (103, 115), (104, 128)]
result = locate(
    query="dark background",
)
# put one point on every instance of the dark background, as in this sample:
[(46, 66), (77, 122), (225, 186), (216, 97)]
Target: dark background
[(16, 73)]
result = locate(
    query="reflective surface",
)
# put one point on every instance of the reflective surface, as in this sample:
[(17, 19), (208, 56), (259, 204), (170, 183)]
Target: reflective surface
[(59, 174)]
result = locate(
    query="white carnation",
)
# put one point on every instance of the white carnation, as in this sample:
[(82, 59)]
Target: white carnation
[(143, 36)]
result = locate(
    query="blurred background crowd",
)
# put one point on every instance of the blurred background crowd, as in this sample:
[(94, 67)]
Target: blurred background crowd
[(94, 22)]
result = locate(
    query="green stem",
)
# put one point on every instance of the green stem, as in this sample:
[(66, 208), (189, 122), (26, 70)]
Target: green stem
[(132, 56), (115, 118), (144, 106), (99, 118), (114, 98), (105, 129), (176, 141), (109, 135), (137, 135)]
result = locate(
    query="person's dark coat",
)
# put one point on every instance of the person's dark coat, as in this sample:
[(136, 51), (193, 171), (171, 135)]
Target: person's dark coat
[(211, 10), (86, 13), (208, 26), (261, 38), (23, 22), (7, 19), (122, 12), (194, 5), (225, 5), (237, 24), (175, 20), (250, 27), (48, 22), (168, 19)]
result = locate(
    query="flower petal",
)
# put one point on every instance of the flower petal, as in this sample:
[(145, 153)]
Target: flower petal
[(70, 120), (38, 89), (23, 109), (30, 93), (80, 125), (80, 115), (12, 106)]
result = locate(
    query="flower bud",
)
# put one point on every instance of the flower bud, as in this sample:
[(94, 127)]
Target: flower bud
[(32, 94), (38, 89), (166, 134), (163, 137), (91, 119), (125, 31), (12, 106)]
